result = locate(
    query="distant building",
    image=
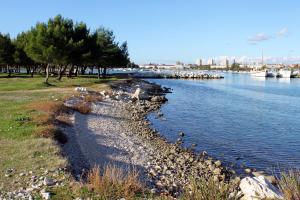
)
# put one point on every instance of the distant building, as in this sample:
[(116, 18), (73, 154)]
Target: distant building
[(199, 62), (227, 63)]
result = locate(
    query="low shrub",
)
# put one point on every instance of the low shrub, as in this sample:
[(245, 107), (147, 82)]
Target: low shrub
[(51, 131), (114, 183), (83, 108), (92, 98), (203, 189), (289, 184), (64, 119)]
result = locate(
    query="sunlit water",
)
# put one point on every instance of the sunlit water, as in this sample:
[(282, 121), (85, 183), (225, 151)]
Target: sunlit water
[(241, 119)]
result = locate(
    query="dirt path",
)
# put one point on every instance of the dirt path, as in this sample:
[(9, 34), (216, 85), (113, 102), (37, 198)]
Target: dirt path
[(105, 137)]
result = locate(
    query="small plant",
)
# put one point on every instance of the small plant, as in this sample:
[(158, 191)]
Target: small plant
[(64, 118), (114, 183), (83, 107), (92, 98), (203, 189), (289, 184), (50, 131)]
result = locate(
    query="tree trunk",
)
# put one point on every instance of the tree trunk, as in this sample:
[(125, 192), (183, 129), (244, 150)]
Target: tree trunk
[(61, 72), (9, 71), (33, 68), (92, 68), (71, 71), (99, 72), (83, 69), (47, 74), (76, 71), (104, 72)]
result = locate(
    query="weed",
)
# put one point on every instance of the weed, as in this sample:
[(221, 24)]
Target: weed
[(289, 184)]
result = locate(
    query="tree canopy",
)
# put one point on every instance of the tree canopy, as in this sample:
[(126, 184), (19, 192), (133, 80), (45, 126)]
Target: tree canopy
[(62, 45)]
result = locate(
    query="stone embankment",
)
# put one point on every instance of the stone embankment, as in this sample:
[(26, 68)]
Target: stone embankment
[(180, 75)]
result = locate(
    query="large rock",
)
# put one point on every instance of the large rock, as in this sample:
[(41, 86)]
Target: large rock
[(159, 99), (259, 188), (139, 94)]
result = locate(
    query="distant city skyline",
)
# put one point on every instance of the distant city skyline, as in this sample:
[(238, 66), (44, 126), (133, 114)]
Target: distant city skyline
[(169, 31)]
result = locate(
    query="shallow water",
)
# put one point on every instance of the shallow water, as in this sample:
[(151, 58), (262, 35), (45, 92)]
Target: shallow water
[(242, 120)]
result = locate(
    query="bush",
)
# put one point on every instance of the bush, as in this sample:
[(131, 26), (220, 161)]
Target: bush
[(45, 119), (93, 98), (83, 108), (50, 131), (203, 189), (289, 184), (114, 183)]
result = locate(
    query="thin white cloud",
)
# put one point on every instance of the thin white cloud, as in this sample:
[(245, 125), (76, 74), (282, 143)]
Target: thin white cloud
[(259, 37), (283, 32)]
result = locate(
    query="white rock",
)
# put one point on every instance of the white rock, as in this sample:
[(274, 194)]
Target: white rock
[(259, 188), (140, 95), (136, 94), (46, 195), (80, 89), (103, 93)]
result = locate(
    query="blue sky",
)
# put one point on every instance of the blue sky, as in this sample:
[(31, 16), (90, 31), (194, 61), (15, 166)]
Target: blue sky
[(165, 31)]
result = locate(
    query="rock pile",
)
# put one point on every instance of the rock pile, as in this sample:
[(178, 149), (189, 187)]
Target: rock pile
[(34, 184)]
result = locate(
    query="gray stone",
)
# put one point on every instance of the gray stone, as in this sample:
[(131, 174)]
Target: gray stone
[(48, 181)]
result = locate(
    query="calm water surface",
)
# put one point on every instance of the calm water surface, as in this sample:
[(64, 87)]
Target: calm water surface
[(241, 119)]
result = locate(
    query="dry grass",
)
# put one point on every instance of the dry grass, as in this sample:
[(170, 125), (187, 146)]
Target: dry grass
[(92, 98), (114, 183), (64, 118), (83, 107), (203, 189), (289, 184), (46, 117)]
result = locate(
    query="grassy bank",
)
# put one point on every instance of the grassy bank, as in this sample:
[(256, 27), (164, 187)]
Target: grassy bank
[(27, 107)]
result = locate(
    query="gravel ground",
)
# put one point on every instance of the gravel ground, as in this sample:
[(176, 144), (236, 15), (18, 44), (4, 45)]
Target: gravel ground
[(105, 137)]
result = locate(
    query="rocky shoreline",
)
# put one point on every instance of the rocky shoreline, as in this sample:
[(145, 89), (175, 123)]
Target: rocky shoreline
[(167, 168), (128, 141), (178, 75)]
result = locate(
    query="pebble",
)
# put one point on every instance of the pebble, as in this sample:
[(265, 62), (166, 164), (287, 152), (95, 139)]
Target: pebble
[(45, 195), (48, 181)]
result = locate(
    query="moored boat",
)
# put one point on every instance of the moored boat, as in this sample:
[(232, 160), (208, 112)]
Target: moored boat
[(260, 74), (284, 73)]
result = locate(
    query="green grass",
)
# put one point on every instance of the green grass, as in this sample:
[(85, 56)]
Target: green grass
[(27, 83)]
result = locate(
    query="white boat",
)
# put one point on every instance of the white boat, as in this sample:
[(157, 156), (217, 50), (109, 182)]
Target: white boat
[(295, 73), (266, 73), (284, 73), (260, 74)]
